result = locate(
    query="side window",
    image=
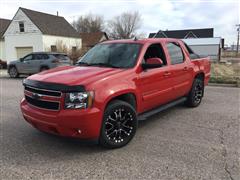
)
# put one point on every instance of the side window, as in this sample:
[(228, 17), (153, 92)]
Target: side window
[(41, 56), (155, 50), (38, 57), (45, 56), (28, 57), (175, 52)]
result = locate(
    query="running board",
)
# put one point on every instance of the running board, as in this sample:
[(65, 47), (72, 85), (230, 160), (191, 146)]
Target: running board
[(150, 113)]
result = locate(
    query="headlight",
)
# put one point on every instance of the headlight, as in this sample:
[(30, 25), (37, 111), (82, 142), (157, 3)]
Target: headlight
[(79, 100)]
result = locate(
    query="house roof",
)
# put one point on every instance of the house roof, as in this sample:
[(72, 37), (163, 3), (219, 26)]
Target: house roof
[(91, 39), (183, 34), (51, 24), (3, 26)]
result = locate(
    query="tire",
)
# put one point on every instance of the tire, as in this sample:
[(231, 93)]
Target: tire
[(119, 125), (195, 96), (13, 73), (43, 69)]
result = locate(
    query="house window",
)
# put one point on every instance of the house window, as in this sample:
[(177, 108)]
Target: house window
[(54, 48), (21, 26), (74, 49)]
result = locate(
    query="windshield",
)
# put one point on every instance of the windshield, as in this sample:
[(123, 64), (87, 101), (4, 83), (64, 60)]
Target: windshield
[(117, 55)]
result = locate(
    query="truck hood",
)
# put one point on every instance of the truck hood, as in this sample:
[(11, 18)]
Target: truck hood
[(75, 75)]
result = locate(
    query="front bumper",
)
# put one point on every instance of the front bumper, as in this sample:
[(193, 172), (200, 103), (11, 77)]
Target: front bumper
[(84, 124)]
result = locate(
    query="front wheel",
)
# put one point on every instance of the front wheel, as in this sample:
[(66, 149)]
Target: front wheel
[(196, 93), (13, 72), (119, 124)]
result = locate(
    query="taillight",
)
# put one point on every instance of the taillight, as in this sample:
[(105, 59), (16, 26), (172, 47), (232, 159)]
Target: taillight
[(55, 61)]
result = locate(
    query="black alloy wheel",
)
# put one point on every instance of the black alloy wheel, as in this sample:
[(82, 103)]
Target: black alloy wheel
[(196, 94), (13, 73), (119, 124)]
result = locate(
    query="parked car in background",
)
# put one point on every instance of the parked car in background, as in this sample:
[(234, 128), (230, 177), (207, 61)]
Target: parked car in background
[(37, 62), (3, 64), (116, 84)]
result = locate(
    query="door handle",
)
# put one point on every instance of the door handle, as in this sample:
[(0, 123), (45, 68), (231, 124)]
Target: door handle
[(166, 74), (185, 68)]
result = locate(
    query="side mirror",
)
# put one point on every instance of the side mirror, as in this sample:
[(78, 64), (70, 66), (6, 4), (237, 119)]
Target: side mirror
[(152, 63)]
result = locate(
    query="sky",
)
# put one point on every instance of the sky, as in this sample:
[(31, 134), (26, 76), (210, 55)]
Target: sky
[(222, 15)]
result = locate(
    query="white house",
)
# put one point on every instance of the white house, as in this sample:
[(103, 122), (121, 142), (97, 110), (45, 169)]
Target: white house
[(32, 31), (206, 46), (3, 26), (202, 41)]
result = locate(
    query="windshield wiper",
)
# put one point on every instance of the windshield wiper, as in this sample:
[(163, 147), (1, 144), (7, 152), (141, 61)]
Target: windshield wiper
[(103, 64)]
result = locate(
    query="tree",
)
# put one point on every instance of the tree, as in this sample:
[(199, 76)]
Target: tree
[(89, 23), (125, 25)]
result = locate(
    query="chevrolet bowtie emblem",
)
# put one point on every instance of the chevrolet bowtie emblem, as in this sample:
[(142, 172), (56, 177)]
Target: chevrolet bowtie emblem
[(36, 96)]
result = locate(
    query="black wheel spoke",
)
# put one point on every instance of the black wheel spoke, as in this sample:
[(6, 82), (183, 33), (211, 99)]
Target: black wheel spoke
[(198, 93), (119, 125)]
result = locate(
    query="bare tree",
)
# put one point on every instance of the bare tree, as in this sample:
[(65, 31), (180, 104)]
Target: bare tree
[(125, 25), (89, 23)]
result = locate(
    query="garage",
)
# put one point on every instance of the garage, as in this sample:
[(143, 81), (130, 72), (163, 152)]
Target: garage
[(23, 51)]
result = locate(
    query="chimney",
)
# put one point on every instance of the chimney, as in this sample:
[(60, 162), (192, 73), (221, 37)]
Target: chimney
[(57, 13)]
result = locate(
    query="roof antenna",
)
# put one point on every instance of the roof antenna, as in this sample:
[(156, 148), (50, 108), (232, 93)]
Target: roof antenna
[(57, 13)]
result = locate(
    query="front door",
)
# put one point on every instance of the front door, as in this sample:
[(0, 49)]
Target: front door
[(24, 65), (155, 84)]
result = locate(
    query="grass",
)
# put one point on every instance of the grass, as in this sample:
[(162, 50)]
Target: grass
[(225, 73)]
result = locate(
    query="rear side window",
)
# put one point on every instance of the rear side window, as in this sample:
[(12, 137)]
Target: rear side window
[(175, 52), (41, 56), (61, 56)]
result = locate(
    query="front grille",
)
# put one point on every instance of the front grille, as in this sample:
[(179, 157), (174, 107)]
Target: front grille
[(43, 98), (43, 91), (43, 104)]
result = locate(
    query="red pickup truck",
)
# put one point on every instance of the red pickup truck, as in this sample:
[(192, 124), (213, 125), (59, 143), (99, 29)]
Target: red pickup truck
[(112, 87)]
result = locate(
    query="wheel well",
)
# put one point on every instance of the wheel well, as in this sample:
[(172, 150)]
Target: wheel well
[(129, 98), (44, 66), (11, 65), (200, 76)]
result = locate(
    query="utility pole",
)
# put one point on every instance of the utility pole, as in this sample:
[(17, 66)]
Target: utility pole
[(238, 30)]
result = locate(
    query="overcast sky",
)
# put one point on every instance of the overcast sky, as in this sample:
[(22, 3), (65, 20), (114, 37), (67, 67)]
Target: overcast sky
[(222, 15)]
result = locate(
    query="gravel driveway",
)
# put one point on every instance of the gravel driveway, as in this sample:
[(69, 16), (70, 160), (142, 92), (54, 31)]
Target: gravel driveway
[(180, 143)]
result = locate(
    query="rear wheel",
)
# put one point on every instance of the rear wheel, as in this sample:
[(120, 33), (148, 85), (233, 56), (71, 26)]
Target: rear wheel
[(196, 93), (43, 69), (119, 124), (13, 72)]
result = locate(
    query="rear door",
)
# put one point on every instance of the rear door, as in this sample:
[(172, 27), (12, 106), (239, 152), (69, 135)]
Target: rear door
[(180, 69)]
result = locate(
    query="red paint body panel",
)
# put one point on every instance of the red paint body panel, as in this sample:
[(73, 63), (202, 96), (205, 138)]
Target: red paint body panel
[(151, 88)]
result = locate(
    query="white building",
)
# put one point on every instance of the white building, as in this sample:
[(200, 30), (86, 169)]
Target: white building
[(206, 47), (201, 41), (3, 26), (32, 31)]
